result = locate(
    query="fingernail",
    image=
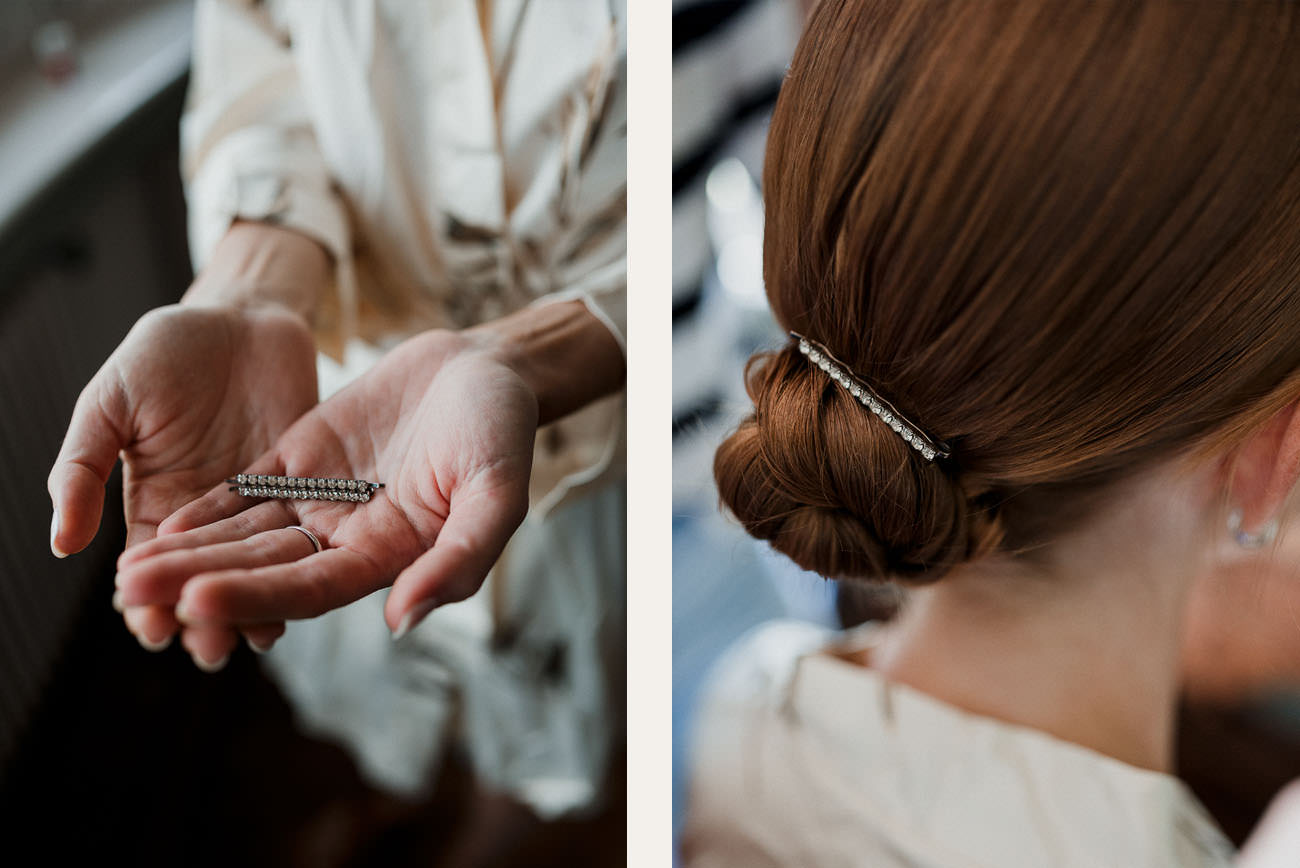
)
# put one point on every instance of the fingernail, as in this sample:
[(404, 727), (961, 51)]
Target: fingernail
[(150, 645), (117, 580), (117, 601), (183, 611), (257, 649), (54, 532), (413, 616), (215, 666)]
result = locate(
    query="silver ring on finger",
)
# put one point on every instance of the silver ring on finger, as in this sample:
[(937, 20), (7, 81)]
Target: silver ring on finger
[(311, 536)]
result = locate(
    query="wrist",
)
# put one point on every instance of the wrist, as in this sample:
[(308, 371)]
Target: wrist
[(564, 353), (257, 266)]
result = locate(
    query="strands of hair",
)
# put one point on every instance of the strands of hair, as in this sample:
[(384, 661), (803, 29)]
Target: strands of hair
[(1063, 233)]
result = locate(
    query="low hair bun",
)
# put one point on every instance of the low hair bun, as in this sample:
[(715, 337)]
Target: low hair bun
[(831, 486)]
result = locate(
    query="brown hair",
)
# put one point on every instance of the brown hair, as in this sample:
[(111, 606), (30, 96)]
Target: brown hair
[(1062, 236)]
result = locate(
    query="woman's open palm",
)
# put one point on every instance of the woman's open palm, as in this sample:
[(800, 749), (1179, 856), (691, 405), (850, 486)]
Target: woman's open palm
[(440, 421), (190, 392)]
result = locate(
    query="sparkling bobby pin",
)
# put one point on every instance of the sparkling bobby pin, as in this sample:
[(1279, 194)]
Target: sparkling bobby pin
[(303, 487), (840, 373)]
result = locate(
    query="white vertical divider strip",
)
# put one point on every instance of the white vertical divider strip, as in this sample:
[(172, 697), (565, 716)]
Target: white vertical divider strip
[(649, 391)]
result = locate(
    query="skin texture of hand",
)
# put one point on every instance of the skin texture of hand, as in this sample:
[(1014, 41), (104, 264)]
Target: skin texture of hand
[(191, 395), (442, 421)]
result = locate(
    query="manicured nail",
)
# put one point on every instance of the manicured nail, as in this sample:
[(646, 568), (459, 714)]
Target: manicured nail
[(117, 580), (150, 645), (117, 601), (183, 611), (257, 649), (54, 532), (413, 617), (215, 666)]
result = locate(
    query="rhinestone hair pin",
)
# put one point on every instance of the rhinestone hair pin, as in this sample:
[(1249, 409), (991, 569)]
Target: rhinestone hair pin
[(303, 487), (929, 447)]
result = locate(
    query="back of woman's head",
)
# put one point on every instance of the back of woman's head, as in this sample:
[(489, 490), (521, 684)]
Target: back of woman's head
[(1062, 236)]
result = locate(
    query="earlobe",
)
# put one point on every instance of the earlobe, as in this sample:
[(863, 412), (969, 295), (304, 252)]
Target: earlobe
[(1263, 471), (1256, 540)]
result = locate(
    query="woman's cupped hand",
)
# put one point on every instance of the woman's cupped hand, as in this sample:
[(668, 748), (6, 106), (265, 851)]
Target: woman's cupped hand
[(441, 421)]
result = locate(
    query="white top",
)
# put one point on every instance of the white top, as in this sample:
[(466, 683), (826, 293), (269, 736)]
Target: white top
[(460, 161), (802, 758)]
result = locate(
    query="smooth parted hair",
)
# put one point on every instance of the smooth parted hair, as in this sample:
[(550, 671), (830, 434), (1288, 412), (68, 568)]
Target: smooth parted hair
[(1062, 236)]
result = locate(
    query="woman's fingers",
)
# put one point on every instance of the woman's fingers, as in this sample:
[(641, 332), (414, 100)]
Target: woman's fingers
[(479, 524), (263, 516), (209, 646), (158, 580), (155, 626), (289, 591), (95, 435), (152, 626), (261, 637), (219, 503)]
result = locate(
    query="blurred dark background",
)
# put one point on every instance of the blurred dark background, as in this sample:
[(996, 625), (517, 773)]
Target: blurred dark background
[(107, 750)]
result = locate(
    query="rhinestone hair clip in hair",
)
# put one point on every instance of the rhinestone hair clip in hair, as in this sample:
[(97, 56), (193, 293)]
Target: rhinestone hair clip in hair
[(867, 397)]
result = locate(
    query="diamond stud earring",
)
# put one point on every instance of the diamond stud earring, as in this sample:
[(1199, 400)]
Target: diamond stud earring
[(1257, 540)]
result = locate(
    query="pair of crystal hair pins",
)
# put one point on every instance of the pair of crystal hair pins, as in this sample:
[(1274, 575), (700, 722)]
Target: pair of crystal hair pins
[(928, 447), (303, 487)]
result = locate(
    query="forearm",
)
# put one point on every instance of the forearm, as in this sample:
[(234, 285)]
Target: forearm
[(259, 264), (565, 354)]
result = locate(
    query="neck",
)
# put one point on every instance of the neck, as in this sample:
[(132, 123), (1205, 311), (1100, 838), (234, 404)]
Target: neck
[(1089, 653)]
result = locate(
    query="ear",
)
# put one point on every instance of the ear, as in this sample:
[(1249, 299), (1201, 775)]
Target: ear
[(1264, 469)]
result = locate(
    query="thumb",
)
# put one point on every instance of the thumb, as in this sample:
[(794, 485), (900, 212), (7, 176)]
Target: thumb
[(97, 432), (479, 524)]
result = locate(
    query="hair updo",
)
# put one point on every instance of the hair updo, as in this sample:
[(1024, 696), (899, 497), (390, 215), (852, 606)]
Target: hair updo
[(835, 488), (1062, 236)]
